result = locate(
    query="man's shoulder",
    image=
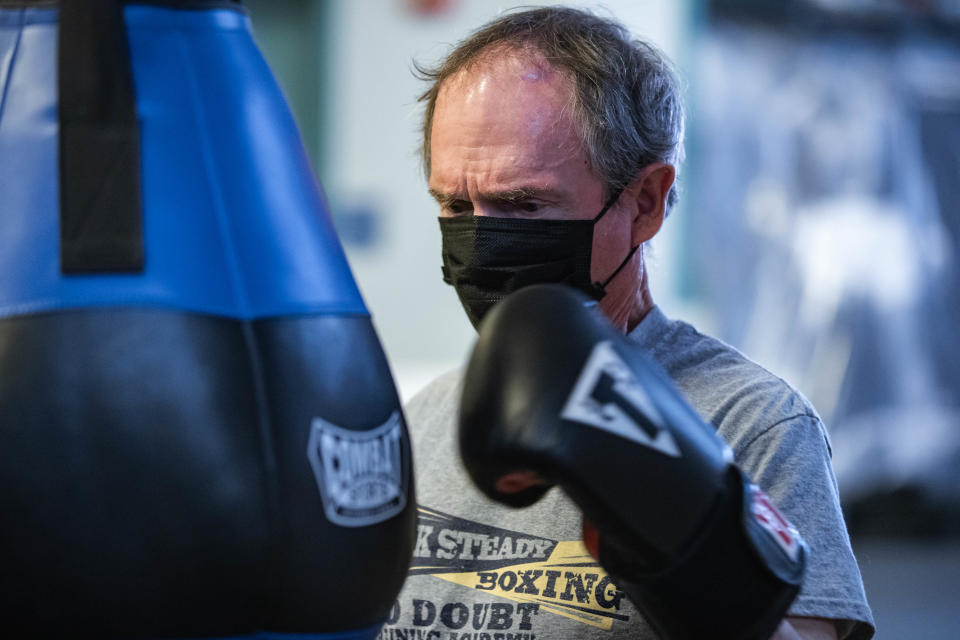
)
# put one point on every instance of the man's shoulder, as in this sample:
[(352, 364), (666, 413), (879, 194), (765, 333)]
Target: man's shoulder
[(736, 395), (431, 411), (438, 392)]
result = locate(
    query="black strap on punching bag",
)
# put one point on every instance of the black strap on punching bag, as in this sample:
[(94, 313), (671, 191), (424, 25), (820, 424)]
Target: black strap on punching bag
[(101, 226)]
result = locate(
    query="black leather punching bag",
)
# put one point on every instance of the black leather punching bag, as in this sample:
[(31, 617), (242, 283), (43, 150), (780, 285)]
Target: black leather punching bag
[(199, 434)]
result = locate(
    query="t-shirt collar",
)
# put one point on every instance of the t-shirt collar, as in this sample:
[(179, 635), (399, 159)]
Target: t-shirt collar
[(651, 329)]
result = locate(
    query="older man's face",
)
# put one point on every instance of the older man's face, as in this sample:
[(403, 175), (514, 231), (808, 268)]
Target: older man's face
[(503, 145)]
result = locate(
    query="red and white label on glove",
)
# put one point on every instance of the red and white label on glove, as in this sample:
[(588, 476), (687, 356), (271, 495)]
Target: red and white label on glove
[(774, 522)]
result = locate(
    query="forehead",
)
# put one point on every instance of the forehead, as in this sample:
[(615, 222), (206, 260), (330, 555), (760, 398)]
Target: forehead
[(506, 95)]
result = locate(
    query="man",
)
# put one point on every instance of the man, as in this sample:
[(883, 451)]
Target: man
[(541, 118)]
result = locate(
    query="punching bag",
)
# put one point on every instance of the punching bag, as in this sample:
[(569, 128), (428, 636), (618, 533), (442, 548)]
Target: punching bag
[(199, 434)]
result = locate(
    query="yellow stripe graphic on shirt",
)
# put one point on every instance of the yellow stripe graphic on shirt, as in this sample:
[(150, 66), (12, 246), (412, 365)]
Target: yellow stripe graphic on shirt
[(559, 576)]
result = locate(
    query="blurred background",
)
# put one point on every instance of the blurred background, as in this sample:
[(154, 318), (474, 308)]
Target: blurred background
[(817, 231)]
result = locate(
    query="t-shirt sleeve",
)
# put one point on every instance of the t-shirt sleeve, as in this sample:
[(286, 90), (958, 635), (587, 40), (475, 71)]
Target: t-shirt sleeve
[(431, 415), (791, 462)]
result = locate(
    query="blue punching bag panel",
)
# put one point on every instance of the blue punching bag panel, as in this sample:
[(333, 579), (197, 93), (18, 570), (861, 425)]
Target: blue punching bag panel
[(234, 222)]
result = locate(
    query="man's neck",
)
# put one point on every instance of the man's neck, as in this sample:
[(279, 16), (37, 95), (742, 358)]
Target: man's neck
[(644, 303)]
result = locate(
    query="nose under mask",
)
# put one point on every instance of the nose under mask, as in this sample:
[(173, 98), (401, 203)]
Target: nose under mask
[(485, 258)]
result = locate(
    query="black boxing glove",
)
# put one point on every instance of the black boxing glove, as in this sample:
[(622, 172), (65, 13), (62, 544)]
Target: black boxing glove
[(554, 395)]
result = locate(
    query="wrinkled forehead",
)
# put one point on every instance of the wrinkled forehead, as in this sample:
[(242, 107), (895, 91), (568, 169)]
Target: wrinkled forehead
[(508, 90)]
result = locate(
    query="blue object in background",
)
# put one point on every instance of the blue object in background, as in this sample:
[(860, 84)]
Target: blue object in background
[(359, 225)]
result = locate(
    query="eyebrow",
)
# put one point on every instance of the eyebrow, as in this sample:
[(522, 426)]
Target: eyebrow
[(443, 199), (518, 194)]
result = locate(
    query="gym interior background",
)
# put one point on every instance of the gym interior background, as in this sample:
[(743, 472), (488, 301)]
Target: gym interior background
[(818, 228)]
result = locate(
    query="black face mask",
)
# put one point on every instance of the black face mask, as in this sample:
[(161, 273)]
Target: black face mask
[(485, 258)]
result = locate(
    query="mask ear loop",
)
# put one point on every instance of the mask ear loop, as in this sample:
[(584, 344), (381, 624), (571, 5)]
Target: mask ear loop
[(612, 201), (598, 289)]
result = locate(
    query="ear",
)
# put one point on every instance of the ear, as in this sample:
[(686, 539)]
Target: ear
[(648, 196)]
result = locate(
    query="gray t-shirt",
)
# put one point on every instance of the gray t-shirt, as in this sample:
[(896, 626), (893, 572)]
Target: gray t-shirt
[(482, 571)]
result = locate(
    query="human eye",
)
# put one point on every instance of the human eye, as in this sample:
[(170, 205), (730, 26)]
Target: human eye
[(524, 206), (528, 206), (457, 208), (533, 209)]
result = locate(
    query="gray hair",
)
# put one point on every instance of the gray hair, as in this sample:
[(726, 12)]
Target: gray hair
[(626, 100)]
